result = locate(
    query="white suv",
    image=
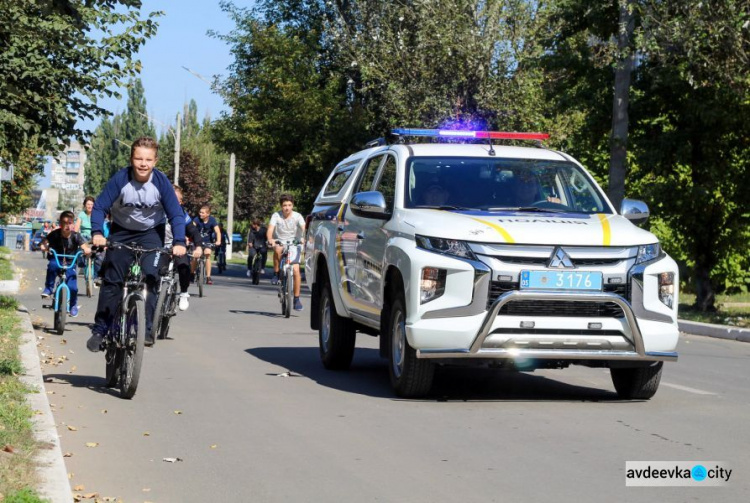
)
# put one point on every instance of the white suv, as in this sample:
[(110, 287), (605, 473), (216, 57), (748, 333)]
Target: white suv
[(503, 255)]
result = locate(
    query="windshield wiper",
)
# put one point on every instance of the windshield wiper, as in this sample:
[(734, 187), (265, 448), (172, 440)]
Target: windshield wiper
[(447, 207), (531, 209)]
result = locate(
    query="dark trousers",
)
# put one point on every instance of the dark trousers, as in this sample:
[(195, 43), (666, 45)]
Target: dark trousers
[(253, 252), (71, 280), (116, 265)]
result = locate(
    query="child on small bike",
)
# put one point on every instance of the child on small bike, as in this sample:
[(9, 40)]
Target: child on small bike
[(65, 241)]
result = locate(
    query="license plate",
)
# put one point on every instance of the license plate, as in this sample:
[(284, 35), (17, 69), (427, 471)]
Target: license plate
[(561, 280)]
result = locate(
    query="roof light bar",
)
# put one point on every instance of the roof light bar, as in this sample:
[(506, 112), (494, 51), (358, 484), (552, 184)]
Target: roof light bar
[(451, 133)]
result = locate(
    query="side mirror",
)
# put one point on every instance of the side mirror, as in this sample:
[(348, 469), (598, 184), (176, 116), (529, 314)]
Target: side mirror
[(370, 205), (635, 211)]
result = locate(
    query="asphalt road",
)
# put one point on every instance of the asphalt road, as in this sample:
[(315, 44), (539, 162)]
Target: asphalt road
[(215, 398)]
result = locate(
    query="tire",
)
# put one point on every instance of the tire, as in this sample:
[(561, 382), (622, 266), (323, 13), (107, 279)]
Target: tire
[(62, 312), (256, 277), (336, 335), (132, 353), (159, 312), (201, 277), (113, 358), (410, 376), (637, 383), (89, 274), (170, 308), (288, 292)]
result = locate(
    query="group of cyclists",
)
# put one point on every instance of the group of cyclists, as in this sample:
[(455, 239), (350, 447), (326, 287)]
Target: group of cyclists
[(140, 206)]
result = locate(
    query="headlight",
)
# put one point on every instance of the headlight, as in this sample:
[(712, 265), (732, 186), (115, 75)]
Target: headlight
[(445, 246), (648, 252)]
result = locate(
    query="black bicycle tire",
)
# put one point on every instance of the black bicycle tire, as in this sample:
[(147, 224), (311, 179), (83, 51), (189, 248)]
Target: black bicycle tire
[(159, 312), (132, 357), (169, 312), (199, 278), (62, 312), (289, 292)]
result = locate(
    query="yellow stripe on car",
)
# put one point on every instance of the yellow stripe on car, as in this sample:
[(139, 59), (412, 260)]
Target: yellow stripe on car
[(605, 228), (499, 229)]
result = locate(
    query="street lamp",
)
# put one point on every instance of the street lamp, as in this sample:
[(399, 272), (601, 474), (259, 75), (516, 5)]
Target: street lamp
[(230, 194), (176, 142)]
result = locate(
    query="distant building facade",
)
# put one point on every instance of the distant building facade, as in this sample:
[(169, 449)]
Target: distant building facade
[(67, 173)]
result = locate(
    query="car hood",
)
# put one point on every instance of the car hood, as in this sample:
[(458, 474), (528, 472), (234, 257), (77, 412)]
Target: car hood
[(528, 228)]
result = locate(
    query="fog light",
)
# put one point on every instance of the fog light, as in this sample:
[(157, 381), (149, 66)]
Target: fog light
[(666, 288), (432, 285)]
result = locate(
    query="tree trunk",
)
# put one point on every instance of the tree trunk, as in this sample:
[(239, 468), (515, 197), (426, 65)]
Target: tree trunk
[(704, 290), (619, 139)]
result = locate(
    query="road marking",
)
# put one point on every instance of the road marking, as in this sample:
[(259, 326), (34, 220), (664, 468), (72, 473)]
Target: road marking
[(688, 389)]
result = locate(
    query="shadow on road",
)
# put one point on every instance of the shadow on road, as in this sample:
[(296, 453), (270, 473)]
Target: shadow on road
[(258, 313), (368, 375), (94, 383)]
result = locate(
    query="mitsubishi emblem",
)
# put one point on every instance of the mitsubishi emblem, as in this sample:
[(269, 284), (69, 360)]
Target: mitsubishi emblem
[(560, 260)]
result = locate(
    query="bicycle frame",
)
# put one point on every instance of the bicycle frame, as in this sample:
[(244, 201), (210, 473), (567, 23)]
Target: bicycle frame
[(61, 274)]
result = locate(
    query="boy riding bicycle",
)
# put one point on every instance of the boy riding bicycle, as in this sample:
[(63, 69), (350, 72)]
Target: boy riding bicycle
[(286, 225), (256, 244), (139, 199), (211, 234), (65, 241)]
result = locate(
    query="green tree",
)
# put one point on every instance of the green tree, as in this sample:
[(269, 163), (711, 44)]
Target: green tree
[(57, 58), (16, 194)]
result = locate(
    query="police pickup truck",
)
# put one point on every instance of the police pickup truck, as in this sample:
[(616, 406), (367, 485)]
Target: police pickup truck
[(472, 252)]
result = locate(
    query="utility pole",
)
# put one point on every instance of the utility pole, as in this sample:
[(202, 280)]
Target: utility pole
[(230, 206), (177, 151)]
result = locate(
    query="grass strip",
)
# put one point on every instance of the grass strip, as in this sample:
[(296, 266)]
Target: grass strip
[(6, 270), (17, 443)]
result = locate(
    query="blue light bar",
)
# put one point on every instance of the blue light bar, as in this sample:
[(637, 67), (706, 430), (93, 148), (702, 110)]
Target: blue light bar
[(452, 133)]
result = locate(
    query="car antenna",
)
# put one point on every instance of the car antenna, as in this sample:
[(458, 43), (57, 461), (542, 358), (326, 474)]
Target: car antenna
[(492, 150)]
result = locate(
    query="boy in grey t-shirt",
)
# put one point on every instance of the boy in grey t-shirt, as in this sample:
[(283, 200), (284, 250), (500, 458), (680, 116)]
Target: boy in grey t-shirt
[(286, 225)]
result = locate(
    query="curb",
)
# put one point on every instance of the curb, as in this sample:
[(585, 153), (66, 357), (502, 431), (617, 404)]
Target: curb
[(716, 331), (53, 476)]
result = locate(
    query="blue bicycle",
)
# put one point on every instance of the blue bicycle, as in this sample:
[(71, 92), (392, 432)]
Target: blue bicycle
[(61, 291)]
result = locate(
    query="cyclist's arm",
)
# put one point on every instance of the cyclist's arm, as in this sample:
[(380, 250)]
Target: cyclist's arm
[(269, 235), (218, 235)]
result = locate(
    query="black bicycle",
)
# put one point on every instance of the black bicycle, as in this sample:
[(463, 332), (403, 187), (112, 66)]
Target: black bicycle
[(124, 342), (290, 255), (256, 267), (221, 260), (166, 304), (200, 269)]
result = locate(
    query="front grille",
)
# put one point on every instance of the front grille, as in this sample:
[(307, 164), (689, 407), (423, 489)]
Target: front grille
[(542, 261), (564, 308)]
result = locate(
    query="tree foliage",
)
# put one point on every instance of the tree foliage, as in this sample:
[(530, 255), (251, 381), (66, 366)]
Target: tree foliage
[(57, 58), (16, 194)]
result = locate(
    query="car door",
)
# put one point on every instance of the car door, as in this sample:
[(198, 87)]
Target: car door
[(374, 239), (351, 228)]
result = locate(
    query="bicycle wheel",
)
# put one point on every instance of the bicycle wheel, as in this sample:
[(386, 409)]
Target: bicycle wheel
[(288, 292), (256, 269), (200, 277), (113, 352), (132, 352), (89, 274), (159, 311), (222, 263), (62, 312), (169, 312)]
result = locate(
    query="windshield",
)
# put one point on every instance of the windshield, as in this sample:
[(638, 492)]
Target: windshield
[(500, 184)]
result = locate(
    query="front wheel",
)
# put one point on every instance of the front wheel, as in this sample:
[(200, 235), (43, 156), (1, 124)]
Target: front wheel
[(288, 292), (410, 376), (201, 277), (132, 356), (62, 311), (159, 312), (336, 335), (637, 382)]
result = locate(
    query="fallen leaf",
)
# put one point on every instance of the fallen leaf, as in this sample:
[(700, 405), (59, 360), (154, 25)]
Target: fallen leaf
[(284, 374), (72, 428), (71, 475), (9, 448), (92, 444), (73, 368), (79, 487), (68, 455), (63, 342), (172, 460), (90, 496), (178, 412), (77, 497), (146, 489), (104, 411), (146, 434), (213, 446)]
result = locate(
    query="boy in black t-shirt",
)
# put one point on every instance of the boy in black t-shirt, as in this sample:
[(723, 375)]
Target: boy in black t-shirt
[(65, 241), (256, 243)]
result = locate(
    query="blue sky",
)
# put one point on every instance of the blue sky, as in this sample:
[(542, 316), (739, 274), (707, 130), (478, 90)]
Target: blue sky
[(181, 40)]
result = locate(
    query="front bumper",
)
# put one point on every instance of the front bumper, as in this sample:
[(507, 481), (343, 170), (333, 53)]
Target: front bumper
[(498, 337)]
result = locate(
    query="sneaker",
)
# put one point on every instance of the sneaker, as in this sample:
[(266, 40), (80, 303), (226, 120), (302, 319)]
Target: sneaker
[(94, 344), (208, 281), (74, 311), (46, 292), (275, 280), (248, 274), (297, 304), (149, 339), (184, 303)]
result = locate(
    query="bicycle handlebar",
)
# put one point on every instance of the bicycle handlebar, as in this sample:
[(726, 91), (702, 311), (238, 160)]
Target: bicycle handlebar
[(58, 255)]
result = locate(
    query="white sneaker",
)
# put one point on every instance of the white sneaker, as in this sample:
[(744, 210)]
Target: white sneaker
[(248, 273), (184, 303)]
